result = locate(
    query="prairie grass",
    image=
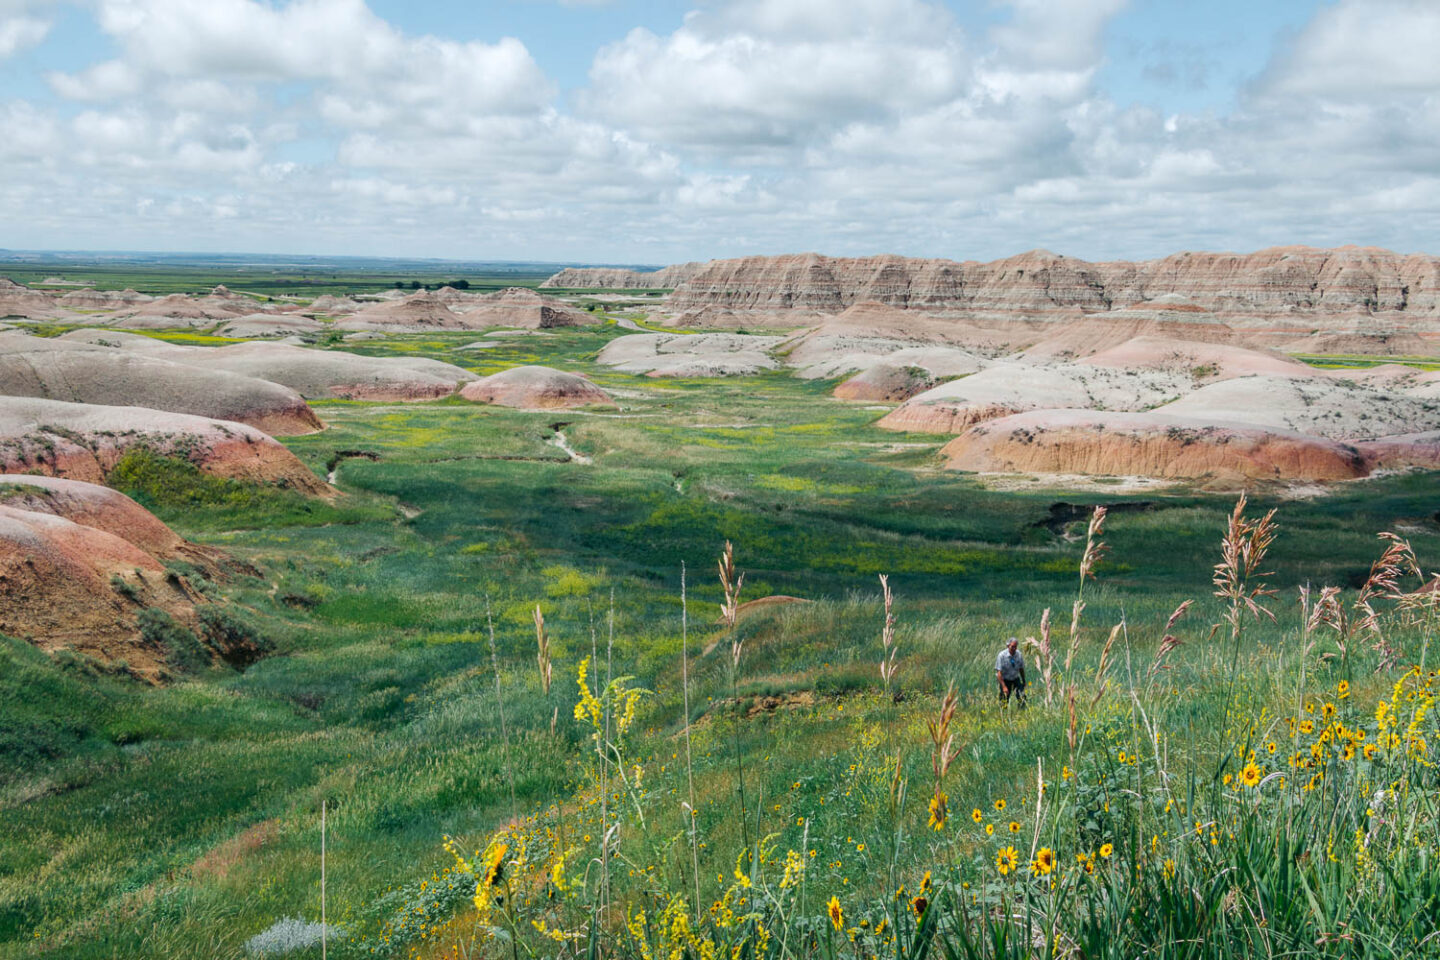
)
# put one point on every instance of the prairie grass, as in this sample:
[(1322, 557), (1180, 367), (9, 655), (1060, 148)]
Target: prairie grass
[(182, 821)]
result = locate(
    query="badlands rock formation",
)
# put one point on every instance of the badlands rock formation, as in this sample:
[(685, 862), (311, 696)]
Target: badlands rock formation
[(1318, 406), (886, 382), (267, 325), (519, 308), (78, 562), (1279, 280), (1147, 444), (536, 388), (80, 373), (687, 355), (420, 311), (869, 333), (314, 374), (1013, 387), (611, 278), (1202, 362), (83, 441)]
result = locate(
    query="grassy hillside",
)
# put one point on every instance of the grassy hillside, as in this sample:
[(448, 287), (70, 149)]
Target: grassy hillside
[(184, 820)]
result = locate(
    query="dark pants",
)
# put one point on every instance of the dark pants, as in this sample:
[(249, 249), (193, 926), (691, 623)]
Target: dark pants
[(1017, 687)]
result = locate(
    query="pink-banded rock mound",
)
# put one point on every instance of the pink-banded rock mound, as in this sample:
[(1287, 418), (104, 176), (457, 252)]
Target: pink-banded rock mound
[(690, 355), (419, 311), (536, 388), (1171, 317), (80, 373), (83, 441), (1202, 361), (78, 562), (1319, 406), (1420, 450), (267, 325), (521, 308), (313, 373), (886, 382), (1097, 443), (1007, 388)]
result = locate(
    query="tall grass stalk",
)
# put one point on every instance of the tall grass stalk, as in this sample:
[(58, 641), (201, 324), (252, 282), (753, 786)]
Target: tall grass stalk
[(500, 706), (730, 585), (691, 814)]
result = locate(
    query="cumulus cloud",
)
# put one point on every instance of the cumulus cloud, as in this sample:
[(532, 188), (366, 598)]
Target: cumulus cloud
[(777, 73), (848, 126), (1358, 49), (18, 30)]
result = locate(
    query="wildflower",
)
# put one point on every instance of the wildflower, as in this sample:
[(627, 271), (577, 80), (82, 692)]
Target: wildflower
[(1006, 860), (836, 914), (918, 905), (926, 883), (1307, 726), (1169, 869), (989, 829), (976, 815), (1014, 826), (1106, 849), (1065, 773), (1043, 863), (1328, 710), (939, 811), (1000, 804), (1343, 690), (1271, 747), (1370, 750), (1250, 775), (494, 871), (1123, 758)]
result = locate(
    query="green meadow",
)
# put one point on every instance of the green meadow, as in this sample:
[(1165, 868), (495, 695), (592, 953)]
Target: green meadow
[(181, 821)]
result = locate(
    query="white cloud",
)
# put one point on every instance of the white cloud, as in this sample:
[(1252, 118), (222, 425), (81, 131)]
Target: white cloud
[(1361, 49), (848, 126), (20, 32), (762, 75)]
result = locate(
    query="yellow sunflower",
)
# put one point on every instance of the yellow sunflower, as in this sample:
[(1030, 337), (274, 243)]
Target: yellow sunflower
[(1343, 690), (837, 915), (1014, 826), (939, 810), (1043, 863), (1006, 860), (976, 815), (494, 871), (999, 804), (1250, 775), (1106, 849)]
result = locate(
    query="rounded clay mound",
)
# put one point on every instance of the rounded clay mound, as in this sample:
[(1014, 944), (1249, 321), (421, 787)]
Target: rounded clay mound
[(687, 355), (1145, 444), (83, 441), (886, 382), (536, 388), (71, 372)]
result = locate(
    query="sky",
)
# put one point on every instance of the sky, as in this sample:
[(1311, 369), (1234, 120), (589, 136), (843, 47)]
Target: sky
[(664, 131)]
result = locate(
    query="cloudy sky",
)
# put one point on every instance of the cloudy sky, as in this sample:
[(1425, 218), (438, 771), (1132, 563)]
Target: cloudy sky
[(660, 131)]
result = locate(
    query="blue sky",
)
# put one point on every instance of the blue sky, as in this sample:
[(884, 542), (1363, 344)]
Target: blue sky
[(665, 131)]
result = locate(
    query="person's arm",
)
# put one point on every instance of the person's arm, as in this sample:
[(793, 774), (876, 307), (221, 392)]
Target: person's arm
[(1000, 679)]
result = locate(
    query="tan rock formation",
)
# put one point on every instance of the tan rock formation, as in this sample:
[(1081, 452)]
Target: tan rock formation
[(536, 388), (1007, 388), (886, 382), (1318, 406), (267, 325), (419, 311), (1202, 362), (691, 355), (83, 441), (613, 278), (313, 373), (522, 308), (1098, 443), (75, 372), (78, 562)]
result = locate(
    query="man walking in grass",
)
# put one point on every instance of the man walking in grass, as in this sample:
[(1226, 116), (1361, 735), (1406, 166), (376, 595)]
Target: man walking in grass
[(1010, 672)]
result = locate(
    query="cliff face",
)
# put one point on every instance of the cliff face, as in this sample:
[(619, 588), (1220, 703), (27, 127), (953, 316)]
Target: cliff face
[(608, 278), (1280, 281)]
